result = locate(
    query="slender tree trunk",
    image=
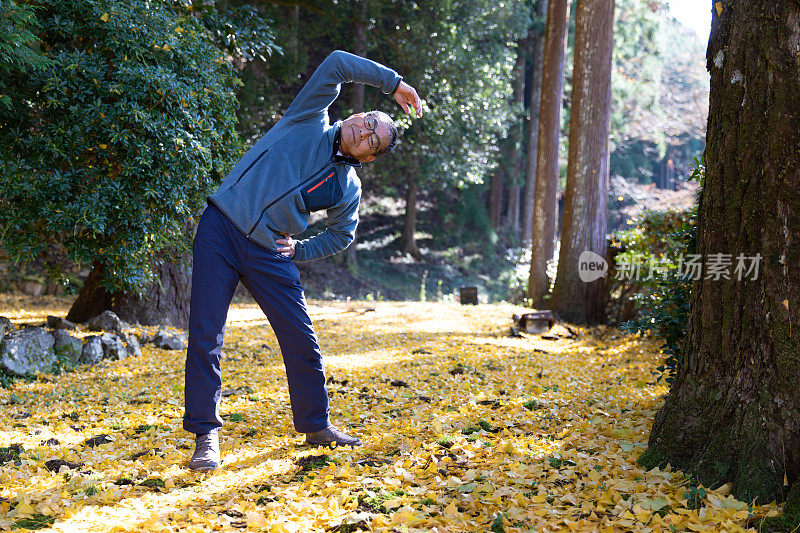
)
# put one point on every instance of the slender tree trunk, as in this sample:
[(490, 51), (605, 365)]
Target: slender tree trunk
[(360, 49), (165, 302), (507, 173), (294, 41), (496, 196), (536, 54), (545, 210), (512, 209), (409, 238), (513, 158), (733, 412), (584, 226)]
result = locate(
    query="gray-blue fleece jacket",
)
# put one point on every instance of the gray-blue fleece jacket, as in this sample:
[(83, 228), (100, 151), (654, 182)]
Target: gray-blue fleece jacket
[(293, 170)]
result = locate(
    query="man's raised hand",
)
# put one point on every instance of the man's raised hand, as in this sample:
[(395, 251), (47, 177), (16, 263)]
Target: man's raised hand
[(406, 95)]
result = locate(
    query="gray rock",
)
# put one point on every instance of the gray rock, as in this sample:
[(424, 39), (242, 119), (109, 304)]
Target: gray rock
[(112, 347), (107, 321), (5, 326), (68, 346), (57, 322), (27, 351), (169, 341), (92, 350), (132, 345)]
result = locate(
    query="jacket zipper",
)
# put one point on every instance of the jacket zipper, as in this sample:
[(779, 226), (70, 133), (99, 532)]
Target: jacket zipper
[(282, 196), (321, 182)]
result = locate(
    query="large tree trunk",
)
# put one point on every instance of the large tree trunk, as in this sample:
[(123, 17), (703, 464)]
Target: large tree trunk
[(732, 412), (409, 238), (584, 224), (546, 184), (165, 302), (536, 54)]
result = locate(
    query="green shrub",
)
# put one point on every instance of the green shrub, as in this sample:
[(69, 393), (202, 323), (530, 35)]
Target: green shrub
[(661, 304), (110, 150)]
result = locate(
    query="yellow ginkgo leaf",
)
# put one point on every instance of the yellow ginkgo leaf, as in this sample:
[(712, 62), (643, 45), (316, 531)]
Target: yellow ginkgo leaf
[(104, 17), (718, 5)]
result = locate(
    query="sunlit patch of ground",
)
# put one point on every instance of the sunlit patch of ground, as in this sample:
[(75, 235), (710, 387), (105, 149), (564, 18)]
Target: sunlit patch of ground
[(464, 429)]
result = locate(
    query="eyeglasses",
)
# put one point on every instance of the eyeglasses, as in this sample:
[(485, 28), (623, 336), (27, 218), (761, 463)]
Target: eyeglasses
[(371, 123)]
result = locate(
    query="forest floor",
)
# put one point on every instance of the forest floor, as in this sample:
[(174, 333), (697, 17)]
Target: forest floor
[(465, 428)]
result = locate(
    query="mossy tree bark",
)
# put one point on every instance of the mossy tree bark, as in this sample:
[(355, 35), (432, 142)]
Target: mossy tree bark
[(584, 224), (732, 412)]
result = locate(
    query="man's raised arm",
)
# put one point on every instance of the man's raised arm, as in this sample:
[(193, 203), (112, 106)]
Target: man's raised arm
[(339, 67)]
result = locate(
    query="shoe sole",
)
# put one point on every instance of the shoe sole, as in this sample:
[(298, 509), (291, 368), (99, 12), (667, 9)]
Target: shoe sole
[(204, 468)]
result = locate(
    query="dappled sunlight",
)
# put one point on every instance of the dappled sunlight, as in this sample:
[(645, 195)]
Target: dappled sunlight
[(461, 423)]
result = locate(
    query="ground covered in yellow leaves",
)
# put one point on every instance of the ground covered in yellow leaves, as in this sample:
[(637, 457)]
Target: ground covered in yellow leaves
[(465, 428)]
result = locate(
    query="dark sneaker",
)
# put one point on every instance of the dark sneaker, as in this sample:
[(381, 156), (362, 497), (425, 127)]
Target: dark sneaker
[(206, 452), (329, 435)]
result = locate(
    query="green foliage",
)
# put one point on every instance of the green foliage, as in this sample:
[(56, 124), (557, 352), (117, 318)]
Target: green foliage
[(636, 74), (460, 56), (17, 42), (662, 301), (531, 405), (154, 483), (694, 496), (375, 501), (699, 170), (497, 524), (37, 521), (110, 150)]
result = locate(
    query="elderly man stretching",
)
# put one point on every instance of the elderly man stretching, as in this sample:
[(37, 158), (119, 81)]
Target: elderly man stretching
[(302, 164)]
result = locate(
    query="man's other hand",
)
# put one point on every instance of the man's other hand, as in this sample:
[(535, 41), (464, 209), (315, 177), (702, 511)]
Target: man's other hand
[(286, 246), (406, 95)]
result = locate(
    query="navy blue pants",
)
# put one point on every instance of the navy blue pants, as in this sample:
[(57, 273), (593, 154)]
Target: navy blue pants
[(222, 257)]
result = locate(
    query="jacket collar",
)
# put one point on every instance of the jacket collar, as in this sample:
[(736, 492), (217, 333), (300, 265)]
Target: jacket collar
[(338, 158)]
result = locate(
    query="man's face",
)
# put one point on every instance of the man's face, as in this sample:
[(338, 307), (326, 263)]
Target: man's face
[(363, 135)]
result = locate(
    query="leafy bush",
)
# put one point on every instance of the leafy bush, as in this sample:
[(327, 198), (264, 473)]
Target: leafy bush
[(661, 303), (110, 150)]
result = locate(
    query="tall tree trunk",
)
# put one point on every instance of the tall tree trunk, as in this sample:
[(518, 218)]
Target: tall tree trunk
[(409, 238), (496, 183), (165, 302), (732, 414), (507, 173), (294, 47), (512, 209), (360, 49), (513, 158), (546, 185), (536, 39), (584, 224)]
